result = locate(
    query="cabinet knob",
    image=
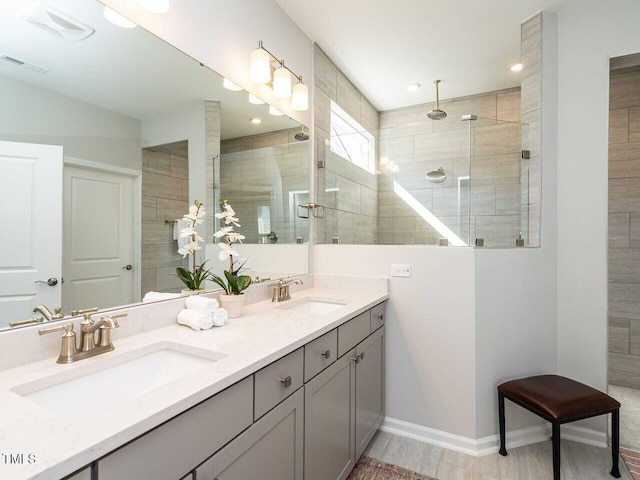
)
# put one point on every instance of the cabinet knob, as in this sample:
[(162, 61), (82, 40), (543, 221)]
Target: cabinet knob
[(358, 357), (378, 316), (286, 382), (326, 354), (362, 356)]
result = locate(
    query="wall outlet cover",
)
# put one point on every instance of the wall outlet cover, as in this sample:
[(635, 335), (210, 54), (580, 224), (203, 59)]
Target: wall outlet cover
[(398, 270)]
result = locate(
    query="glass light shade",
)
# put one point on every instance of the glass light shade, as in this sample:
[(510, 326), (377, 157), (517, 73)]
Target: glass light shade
[(300, 97), (281, 83), (155, 6), (255, 100), (274, 111), (260, 68), (229, 85), (117, 19)]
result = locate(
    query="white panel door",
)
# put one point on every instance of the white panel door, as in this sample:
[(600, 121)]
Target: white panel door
[(31, 230), (98, 239)]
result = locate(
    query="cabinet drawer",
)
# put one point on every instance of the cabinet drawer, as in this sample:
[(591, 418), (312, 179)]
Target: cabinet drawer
[(353, 332), (174, 448), (320, 353), (277, 381), (377, 316)]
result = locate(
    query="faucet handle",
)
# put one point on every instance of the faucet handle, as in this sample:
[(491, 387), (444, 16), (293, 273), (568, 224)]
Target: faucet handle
[(68, 348), (57, 314), (114, 318), (26, 322), (67, 327), (86, 312)]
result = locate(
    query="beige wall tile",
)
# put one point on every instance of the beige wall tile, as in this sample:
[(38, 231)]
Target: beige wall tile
[(156, 256), (624, 370), (148, 207), (508, 199), (634, 230), (619, 227), (168, 209), (498, 231), (417, 114), (483, 200), (624, 265), (634, 124), (508, 106), (148, 281), (483, 106), (365, 230), (441, 145), (398, 149), (624, 195), (348, 196), (156, 162), (322, 110), (325, 72), (157, 233), (624, 300), (634, 337), (496, 169), (161, 186), (531, 40), (369, 116), (348, 97), (624, 161), (497, 140), (624, 88), (531, 88), (619, 125), (619, 336)]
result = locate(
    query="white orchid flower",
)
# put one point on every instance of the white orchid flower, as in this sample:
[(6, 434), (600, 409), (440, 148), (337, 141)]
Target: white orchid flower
[(223, 231), (225, 251), (235, 237), (187, 232)]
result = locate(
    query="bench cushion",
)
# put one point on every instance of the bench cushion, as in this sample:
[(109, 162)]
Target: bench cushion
[(558, 398)]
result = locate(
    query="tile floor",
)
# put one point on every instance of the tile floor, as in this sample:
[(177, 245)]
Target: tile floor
[(531, 462), (629, 415)]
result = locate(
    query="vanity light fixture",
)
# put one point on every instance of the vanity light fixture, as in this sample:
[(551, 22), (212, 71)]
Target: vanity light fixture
[(155, 6), (229, 85), (262, 62), (274, 111), (255, 100), (117, 19), (413, 87), (256, 121), (516, 67)]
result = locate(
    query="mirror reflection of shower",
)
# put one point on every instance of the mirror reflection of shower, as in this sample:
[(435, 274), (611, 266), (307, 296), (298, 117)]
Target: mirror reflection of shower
[(436, 113)]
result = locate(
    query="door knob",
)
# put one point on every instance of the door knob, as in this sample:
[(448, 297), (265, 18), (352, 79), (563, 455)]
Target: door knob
[(128, 267), (52, 282)]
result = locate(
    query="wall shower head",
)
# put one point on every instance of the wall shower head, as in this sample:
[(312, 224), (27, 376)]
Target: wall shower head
[(436, 113)]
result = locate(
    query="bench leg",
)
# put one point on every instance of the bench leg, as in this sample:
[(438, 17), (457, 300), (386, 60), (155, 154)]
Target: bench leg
[(555, 440), (503, 448), (615, 442)]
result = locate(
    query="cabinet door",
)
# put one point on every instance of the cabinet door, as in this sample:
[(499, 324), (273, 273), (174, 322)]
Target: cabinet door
[(369, 389), (330, 422), (272, 449), (82, 475)]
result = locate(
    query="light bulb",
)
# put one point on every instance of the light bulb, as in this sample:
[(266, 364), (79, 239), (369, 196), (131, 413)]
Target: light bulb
[(281, 83), (256, 121), (300, 97), (260, 68)]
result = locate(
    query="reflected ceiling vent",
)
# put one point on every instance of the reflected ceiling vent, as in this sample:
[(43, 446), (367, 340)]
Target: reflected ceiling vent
[(32, 67), (56, 23)]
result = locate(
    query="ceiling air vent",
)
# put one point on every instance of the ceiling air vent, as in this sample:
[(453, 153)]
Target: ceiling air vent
[(56, 23), (33, 67)]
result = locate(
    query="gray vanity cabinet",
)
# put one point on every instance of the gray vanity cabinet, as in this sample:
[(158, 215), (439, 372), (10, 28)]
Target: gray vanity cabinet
[(329, 434), (369, 389), (272, 449), (83, 475)]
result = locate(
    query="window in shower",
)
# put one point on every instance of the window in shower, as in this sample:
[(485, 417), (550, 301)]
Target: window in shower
[(351, 140)]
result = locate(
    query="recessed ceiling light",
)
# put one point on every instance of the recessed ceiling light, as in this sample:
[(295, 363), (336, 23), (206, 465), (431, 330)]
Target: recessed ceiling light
[(117, 19), (274, 111), (516, 68), (414, 87), (256, 121), (255, 100), (229, 85)]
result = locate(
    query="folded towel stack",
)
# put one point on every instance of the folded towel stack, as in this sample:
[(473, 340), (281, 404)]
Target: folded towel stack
[(157, 296), (202, 313)]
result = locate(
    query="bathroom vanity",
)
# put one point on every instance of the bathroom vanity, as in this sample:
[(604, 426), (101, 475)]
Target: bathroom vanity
[(288, 386)]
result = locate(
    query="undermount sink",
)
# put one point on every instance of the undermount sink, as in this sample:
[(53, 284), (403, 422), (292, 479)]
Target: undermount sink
[(123, 378), (313, 305)]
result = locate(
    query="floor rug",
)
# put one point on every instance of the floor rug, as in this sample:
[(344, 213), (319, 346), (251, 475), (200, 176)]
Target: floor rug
[(632, 460), (371, 469)]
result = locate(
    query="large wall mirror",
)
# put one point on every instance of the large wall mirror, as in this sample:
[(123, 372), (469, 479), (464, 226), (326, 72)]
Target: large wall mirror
[(138, 130)]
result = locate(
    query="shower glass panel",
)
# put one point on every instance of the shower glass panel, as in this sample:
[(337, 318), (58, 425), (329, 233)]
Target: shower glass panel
[(499, 182), (450, 179), (264, 178)]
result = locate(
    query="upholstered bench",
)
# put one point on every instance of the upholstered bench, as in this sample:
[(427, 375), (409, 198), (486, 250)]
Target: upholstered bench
[(560, 400)]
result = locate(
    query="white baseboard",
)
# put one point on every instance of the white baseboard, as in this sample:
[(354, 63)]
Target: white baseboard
[(490, 444)]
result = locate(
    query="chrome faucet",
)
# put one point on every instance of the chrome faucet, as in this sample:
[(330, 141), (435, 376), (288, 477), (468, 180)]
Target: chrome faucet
[(69, 352), (281, 289), (47, 314)]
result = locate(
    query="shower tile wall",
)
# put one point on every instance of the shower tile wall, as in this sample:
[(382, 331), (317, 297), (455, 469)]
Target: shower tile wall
[(212, 155), (272, 170), (624, 227), (349, 193), (418, 145), (531, 51), (165, 196)]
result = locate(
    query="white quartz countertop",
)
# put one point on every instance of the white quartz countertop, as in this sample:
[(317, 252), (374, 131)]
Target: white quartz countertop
[(38, 443)]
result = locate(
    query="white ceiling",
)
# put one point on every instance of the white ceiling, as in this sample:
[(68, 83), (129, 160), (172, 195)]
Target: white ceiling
[(384, 45)]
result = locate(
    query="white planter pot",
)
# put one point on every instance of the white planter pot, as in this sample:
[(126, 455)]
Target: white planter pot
[(232, 304), (187, 291)]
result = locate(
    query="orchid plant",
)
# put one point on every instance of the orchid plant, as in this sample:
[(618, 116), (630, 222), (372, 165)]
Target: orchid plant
[(233, 283), (192, 278)]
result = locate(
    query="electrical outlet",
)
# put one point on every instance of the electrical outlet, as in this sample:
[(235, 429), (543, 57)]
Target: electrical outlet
[(400, 270)]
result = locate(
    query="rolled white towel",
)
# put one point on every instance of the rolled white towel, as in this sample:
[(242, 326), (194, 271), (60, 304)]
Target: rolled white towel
[(220, 317), (201, 304), (157, 296), (195, 320)]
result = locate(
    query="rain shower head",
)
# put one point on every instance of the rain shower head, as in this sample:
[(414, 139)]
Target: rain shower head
[(437, 176), (301, 137), (436, 113)]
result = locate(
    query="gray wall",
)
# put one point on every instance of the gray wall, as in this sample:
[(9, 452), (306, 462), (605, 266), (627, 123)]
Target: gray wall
[(624, 227)]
